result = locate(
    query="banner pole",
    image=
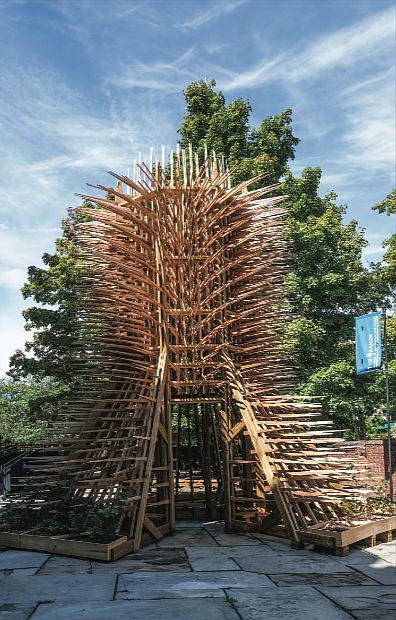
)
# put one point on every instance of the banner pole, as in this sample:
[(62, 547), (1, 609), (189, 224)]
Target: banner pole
[(383, 312)]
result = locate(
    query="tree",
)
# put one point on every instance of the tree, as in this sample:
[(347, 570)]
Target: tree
[(26, 408), (386, 273), (356, 402), (226, 130), (329, 282), (54, 344)]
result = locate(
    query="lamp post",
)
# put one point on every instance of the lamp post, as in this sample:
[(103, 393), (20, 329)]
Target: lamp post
[(385, 368)]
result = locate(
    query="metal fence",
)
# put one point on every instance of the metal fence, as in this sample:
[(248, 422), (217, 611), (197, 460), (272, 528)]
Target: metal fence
[(12, 465)]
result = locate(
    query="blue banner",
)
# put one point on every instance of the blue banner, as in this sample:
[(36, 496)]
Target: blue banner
[(368, 342)]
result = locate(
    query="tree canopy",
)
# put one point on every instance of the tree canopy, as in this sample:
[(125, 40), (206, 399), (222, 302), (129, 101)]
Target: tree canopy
[(54, 346), (386, 270), (26, 408), (226, 130)]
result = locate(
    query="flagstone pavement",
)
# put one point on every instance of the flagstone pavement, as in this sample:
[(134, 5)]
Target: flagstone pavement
[(202, 574)]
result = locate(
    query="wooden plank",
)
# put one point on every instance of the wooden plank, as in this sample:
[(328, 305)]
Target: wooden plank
[(348, 536), (180, 401), (241, 526), (364, 531), (161, 372), (281, 532), (236, 430), (152, 528), (252, 427), (163, 432), (10, 540), (72, 548), (235, 498)]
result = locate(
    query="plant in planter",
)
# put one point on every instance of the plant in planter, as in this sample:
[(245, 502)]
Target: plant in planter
[(378, 506), (65, 516)]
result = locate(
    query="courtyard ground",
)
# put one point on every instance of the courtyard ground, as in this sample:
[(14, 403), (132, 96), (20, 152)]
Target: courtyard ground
[(202, 574)]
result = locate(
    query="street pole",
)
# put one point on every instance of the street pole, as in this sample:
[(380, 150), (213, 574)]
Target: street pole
[(385, 368)]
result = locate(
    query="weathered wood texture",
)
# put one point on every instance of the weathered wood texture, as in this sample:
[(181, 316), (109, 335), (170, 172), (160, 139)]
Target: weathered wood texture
[(73, 548)]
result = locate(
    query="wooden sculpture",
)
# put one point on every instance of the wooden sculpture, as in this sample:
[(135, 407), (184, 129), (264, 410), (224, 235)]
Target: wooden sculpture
[(185, 306)]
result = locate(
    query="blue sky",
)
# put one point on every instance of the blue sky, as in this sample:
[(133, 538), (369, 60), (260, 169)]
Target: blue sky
[(88, 84)]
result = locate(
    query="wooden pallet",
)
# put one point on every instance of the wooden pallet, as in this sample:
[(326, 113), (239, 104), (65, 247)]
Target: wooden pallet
[(339, 542), (322, 538)]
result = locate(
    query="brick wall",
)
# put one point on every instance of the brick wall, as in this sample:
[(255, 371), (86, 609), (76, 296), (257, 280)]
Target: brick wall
[(374, 454)]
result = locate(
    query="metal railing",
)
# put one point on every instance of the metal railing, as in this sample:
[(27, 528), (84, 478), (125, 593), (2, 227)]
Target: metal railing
[(11, 465)]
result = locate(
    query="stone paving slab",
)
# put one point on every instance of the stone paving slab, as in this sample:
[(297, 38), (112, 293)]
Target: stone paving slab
[(373, 567), (371, 614), (231, 539), (286, 564), (28, 590), (265, 538), (190, 581), (193, 537), (180, 609), (385, 551), (354, 597), (22, 559), (213, 563), (358, 556), (182, 525), (223, 558), (14, 611), (331, 579), (157, 560), (298, 603), (151, 595), (22, 572), (58, 565), (380, 571), (231, 551)]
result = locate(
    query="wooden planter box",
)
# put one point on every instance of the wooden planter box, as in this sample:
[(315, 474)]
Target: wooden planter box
[(63, 546), (76, 548), (340, 541)]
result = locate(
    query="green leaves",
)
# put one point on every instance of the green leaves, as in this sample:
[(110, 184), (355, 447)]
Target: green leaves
[(54, 340), (27, 407), (388, 205), (329, 283), (79, 517), (385, 272), (226, 130)]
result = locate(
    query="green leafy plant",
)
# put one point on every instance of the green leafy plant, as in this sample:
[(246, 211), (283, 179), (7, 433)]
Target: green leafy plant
[(380, 503), (76, 517)]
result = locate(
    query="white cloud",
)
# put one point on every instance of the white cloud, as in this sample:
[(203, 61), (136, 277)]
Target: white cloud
[(212, 49), (374, 236), (55, 142), (215, 9), (340, 49), (374, 249), (370, 114), (158, 75), (13, 278), (13, 336)]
